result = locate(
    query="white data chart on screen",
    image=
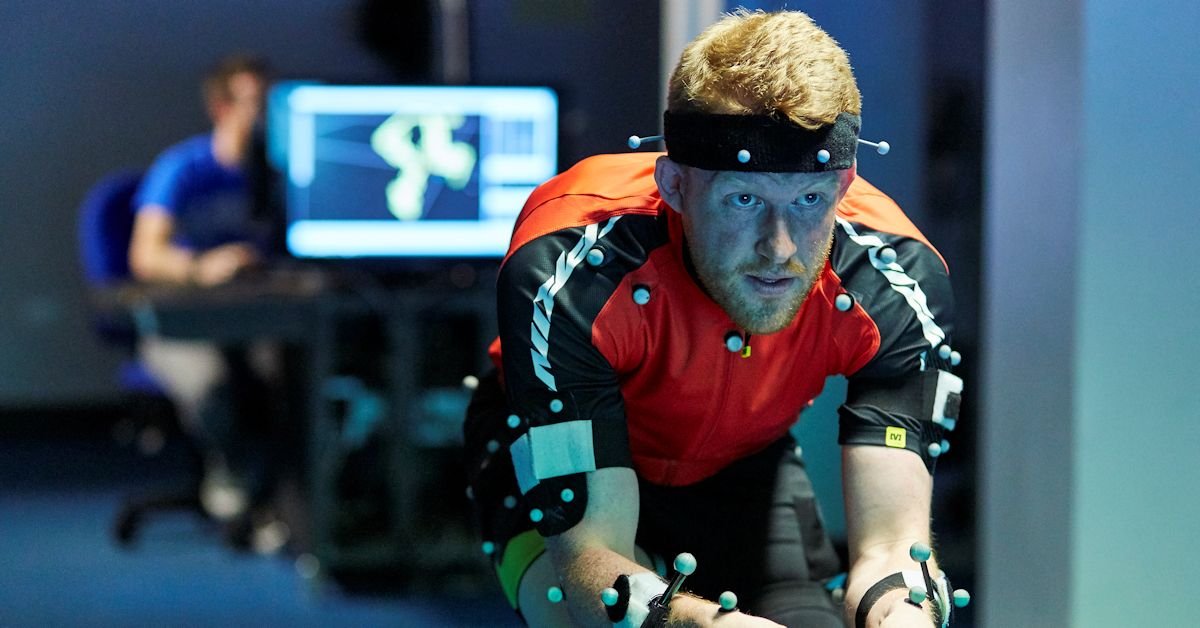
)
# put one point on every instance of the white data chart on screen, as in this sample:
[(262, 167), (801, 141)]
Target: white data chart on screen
[(405, 171)]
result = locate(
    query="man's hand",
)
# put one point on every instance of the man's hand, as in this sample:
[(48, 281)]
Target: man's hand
[(901, 614), (742, 620), (692, 611), (219, 265)]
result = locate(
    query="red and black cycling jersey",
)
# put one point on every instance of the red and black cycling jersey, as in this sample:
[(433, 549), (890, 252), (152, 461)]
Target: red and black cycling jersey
[(601, 320)]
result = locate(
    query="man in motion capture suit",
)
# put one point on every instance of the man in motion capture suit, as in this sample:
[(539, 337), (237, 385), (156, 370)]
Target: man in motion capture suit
[(664, 318)]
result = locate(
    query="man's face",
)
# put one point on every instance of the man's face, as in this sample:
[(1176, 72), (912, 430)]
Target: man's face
[(243, 107), (759, 240)]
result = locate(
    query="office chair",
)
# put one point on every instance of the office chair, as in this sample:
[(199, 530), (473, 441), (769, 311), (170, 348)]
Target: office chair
[(105, 227)]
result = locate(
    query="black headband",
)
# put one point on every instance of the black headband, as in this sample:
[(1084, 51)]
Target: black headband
[(713, 141)]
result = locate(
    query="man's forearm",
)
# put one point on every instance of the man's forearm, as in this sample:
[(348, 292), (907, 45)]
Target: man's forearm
[(888, 496), (585, 573), (170, 264)]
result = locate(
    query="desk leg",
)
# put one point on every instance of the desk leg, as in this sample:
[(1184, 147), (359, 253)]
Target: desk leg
[(404, 368), (321, 447)]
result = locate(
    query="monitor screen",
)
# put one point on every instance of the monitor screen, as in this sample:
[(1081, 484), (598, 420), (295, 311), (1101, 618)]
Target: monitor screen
[(407, 171)]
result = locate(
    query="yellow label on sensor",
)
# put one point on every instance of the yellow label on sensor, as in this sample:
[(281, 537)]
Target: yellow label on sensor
[(895, 437)]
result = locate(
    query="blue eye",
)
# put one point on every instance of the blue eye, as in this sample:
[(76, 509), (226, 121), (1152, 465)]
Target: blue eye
[(743, 201), (812, 199)]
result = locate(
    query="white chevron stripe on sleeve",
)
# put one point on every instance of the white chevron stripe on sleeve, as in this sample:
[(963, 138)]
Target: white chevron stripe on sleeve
[(900, 282), (543, 302)]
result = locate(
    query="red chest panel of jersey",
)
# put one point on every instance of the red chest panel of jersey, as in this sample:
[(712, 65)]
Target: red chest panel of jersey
[(693, 405)]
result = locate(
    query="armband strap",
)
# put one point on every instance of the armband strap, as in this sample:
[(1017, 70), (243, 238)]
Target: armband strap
[(877, 590), (913, 413), (636, 594), (937, 589)]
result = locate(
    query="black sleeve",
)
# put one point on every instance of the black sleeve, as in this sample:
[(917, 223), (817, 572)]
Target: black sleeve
[(560, 387), (901, 397)]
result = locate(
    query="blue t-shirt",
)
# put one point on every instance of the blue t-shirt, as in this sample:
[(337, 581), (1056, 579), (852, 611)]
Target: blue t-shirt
[(211, 203)]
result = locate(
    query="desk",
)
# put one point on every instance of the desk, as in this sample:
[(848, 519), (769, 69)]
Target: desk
[(298, 309), (281, 305), (304, 310)]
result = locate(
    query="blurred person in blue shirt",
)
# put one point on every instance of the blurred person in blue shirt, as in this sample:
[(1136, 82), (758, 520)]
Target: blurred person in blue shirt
[(195, 225)]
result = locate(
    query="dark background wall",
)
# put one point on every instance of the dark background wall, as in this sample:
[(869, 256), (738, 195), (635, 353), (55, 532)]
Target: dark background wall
[(601, 57), (86, 88)]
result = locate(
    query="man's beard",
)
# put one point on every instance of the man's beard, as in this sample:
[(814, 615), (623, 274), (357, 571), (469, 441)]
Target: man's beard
[(754, 313)]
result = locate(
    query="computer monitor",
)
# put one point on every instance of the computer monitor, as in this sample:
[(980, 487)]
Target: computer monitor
[(408, 171)]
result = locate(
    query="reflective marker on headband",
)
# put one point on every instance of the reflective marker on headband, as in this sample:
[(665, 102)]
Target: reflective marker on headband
[(882, 147), (636, 142)]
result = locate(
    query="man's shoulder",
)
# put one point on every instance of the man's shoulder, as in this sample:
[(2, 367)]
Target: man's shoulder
[(603, 191), (177, 169), (869, 206), (197, 148), (868, 217)]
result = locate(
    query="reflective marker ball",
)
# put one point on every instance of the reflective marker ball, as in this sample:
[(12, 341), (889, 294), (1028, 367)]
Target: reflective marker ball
[(728, 600), (961, 598), (489, 547), (823, 156), (609, 596), (917, 595), (685, 564), (887, 255), (935, 449), (514, 421), (556, 405), (554, 594), (535, 515), (843, 302), (920, 552), (567, 495), (743, 155), (944, 352)]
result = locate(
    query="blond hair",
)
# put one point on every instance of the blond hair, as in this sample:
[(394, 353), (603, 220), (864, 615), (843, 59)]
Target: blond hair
[(760, 63)]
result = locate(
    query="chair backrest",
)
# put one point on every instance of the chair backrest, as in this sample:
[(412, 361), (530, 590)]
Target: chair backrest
[(105, 226)]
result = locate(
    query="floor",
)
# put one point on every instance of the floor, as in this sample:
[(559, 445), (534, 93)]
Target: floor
[(58, 498)]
